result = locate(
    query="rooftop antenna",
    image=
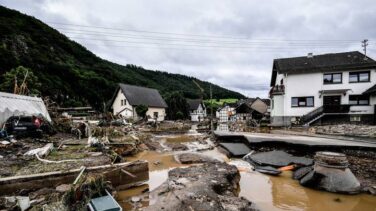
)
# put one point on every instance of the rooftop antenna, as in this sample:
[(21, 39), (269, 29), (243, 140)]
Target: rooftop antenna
[(364, 45)]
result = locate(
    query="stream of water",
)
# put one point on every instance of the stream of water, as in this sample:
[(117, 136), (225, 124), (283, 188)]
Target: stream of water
[(267, 192)]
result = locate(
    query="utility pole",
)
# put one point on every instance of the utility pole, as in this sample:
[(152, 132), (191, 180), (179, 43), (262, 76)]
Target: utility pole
[(364, 45), (211, 110)]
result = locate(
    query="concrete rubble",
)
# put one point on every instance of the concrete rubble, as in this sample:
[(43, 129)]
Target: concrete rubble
[(278, 159), (331, 173), (235, 149), (211, 186)]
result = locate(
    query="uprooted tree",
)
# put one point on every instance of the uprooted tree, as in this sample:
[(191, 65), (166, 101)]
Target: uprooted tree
[(21, 80)]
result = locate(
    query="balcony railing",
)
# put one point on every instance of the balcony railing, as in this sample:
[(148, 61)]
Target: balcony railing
[(325, 109), (277, 90), (336, 109)]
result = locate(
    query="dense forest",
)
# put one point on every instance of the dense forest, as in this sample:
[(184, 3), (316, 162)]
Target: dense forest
[(72, 75)]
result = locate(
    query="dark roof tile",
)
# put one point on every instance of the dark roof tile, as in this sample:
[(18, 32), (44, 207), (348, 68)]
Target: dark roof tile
[(137, 95), (352, 60), (194, 103)]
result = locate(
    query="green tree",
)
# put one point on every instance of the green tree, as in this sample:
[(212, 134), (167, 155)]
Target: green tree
[(21, 75), (177, 106), (141, 110), (179, 115)]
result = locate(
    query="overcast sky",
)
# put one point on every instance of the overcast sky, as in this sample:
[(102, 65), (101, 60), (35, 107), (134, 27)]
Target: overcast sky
[(231, 43)]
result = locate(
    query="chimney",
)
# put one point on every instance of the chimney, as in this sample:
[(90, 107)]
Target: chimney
[(310, 55)]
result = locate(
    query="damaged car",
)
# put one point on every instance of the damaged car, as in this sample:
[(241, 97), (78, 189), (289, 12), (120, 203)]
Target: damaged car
[(28, 126)]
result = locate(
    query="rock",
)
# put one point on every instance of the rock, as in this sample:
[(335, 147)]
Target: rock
[(1, 157), (278, 159), (201, 187), (63, 188), (189, 158), (157, 162)]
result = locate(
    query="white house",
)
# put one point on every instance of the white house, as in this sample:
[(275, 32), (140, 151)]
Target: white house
[(197, 110), (326, 89), (128, 97)]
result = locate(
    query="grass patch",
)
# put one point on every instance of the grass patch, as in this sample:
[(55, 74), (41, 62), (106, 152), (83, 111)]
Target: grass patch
[(220, 102)]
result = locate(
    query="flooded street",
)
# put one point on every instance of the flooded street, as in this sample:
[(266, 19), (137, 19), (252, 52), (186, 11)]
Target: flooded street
[(283, 193), (267, 192)]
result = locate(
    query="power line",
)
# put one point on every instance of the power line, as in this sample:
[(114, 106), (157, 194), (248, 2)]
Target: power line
[(202, 48), (194, 35), (210, 41)]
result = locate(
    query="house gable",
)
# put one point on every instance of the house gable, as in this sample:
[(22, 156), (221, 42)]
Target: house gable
[(120, 105), (259, 106)]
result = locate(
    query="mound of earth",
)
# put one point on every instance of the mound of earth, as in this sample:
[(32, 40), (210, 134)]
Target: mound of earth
[(210, 186)]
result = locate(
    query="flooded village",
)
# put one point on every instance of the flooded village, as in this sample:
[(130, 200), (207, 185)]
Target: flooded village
[(55, 158), (94, 135)]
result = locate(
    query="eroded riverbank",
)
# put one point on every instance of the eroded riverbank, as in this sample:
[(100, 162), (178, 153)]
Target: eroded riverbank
[(265, 192)]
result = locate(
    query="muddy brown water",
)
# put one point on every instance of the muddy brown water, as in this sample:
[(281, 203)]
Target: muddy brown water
[(267, 192)]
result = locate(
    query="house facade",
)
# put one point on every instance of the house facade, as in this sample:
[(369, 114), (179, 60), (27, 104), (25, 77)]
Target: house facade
[(197, 110), (224, 113), (128, 97), (323, 89)]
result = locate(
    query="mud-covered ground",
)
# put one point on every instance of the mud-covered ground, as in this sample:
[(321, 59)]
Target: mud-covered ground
[(120, 143)]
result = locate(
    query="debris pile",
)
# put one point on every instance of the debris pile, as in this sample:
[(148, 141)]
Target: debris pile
[(210, 186)]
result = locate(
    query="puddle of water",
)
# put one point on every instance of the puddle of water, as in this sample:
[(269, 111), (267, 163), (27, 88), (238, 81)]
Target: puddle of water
[(157, 160), (159, 166), (180, 139), (283, 193)]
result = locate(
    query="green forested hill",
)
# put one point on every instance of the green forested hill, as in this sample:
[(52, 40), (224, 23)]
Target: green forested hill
[(65, 68)]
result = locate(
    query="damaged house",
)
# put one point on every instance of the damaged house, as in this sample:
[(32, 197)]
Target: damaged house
[(128, 97), (20, 105), (197, 110), (251, 109), (224, 113), (323, 89)]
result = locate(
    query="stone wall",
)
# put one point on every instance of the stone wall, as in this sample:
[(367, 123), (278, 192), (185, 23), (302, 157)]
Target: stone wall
[(346, 130)]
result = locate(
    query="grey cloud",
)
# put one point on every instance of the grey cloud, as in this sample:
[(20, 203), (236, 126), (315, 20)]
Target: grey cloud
[(246, 71)]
